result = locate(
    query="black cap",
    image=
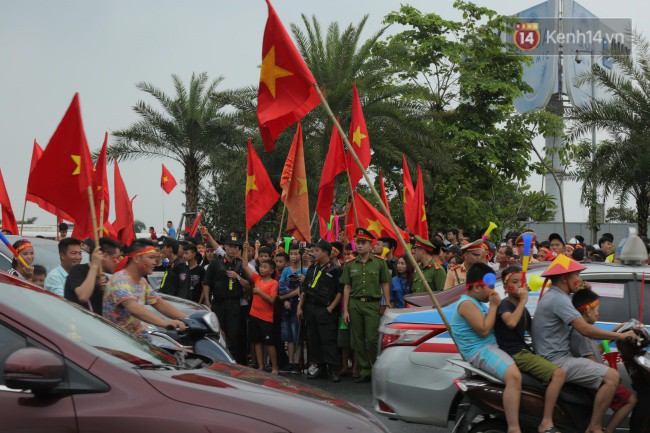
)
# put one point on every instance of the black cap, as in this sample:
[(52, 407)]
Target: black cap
[(452, 249), (363, 234), (233, 240)]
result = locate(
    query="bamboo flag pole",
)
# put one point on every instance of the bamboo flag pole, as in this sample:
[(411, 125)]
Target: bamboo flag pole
[(91, 203), (354, 203), (22, 222), (385, 211), (100, 229)]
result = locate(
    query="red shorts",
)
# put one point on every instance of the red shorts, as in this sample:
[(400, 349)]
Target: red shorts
[(621, 397)]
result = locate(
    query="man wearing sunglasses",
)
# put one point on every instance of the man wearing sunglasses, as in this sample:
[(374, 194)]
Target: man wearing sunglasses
[(86, 282)]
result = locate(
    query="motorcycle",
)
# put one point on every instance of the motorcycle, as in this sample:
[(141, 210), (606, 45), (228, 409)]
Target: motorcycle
[(482, 408), (202, 336)]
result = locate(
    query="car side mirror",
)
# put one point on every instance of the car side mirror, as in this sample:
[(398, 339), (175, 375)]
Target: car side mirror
[(33, 369)]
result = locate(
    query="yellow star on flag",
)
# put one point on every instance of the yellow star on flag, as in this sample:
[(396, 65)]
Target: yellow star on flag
[(165, 179), (77, 161), (375, 226), (270, 72), (250, 183), (358, 136), (424, 214), (303, 186)]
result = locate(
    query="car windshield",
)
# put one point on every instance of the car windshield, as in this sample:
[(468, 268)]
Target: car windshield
[(83, 327)]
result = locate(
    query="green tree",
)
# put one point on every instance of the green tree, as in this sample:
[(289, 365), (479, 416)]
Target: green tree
[(621, 214), (466, 78), (191, 128), (139, 226), (621, 166)]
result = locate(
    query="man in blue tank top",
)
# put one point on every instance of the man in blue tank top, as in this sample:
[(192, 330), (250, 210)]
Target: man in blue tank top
[(473, 329)]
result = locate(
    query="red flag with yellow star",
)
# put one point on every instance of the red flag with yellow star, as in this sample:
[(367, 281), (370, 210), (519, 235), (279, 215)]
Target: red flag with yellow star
[(63, 174), (419, 222), (100, 184), (374, 221), (167, 181), (124, 221), (261, 196), (358, 139), (286, 91), (37, 152), (408, 197), (8, 217), (334, 165), (382, 190), (294, 190)]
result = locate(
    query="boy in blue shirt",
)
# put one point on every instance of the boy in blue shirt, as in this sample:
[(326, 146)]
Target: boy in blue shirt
[(289, 291), (473, 330)]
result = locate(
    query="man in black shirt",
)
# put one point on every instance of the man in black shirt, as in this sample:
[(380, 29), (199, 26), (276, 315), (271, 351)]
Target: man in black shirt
[(176, 280), (224, 287), (85, 283), (197, 272), (512, 322), (322, 293)]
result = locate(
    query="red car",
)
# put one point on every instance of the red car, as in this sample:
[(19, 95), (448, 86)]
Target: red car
[(63, 369)]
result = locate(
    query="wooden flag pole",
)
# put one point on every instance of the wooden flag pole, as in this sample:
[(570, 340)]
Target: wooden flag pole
[(100, 229), (91, 203), (385, 211), (22, 222), (354, 203), (284, 211)]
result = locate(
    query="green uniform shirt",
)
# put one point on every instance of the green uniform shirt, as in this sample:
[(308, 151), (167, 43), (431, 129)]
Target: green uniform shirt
[(435, 276), (365, 279)]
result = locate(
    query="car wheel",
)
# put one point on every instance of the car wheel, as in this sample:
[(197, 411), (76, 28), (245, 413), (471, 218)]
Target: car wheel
[(490, 426)]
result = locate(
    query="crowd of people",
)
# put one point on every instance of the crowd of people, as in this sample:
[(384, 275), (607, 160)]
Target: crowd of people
[(314, 308)]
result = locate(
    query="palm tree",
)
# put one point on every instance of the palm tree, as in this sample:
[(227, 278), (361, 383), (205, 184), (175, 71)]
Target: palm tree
[(621, 165), (191, 128)]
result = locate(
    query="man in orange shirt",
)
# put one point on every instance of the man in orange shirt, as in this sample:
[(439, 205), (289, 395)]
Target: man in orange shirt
[(260, 320)]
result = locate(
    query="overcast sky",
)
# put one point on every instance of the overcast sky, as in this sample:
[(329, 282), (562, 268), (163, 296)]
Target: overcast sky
[(51, 49)]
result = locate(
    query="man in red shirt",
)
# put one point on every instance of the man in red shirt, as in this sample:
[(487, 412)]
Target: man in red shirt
[(260, 320)]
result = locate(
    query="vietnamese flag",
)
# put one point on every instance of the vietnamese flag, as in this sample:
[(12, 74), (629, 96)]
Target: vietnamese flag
[(261, 196), (375, 222), (420, 215), (195, 224), (37, 152), (294, 190), (287, 87), (167, 181), (100, 183), (8, 218), (63, 174), (358, 139), (334, 165), (409, 196), (124, 221), (382, 191)]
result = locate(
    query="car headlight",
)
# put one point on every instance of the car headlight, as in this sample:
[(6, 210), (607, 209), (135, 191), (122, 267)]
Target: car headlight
[(212, 322)]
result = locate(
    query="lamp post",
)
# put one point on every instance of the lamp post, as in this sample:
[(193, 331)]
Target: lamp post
[(593, 209)]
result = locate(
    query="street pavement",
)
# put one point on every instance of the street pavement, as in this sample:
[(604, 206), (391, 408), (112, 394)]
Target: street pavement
[(361, 394)]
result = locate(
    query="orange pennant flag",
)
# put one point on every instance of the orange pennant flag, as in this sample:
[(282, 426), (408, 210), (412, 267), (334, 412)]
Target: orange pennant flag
[(261, 196), (409, 195), (286, 92), (419, 222), (294, 190), (359, 140)]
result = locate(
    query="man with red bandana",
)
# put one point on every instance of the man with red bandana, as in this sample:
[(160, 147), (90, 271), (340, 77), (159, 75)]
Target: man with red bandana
[(512, 322), (554, 317), (128, 292)]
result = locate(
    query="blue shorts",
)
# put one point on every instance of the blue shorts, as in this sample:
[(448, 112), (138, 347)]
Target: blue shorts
[(492, 360), (289, 328)]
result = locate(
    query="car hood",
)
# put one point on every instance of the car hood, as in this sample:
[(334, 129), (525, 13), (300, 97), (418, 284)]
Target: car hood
[(270, 398)]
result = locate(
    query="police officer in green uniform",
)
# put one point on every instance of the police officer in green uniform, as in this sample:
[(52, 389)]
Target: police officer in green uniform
[(366, 280), (322, 293), (424, 252)]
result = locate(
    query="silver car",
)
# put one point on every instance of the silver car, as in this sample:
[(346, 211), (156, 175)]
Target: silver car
[(412, 379)]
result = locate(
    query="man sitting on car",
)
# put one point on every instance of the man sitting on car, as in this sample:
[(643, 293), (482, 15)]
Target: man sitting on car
[(554, 316), (128, 292), (473, 330)]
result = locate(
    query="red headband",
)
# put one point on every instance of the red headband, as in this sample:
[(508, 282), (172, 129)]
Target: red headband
[(23, 246), (122, 264), (589, 306)]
